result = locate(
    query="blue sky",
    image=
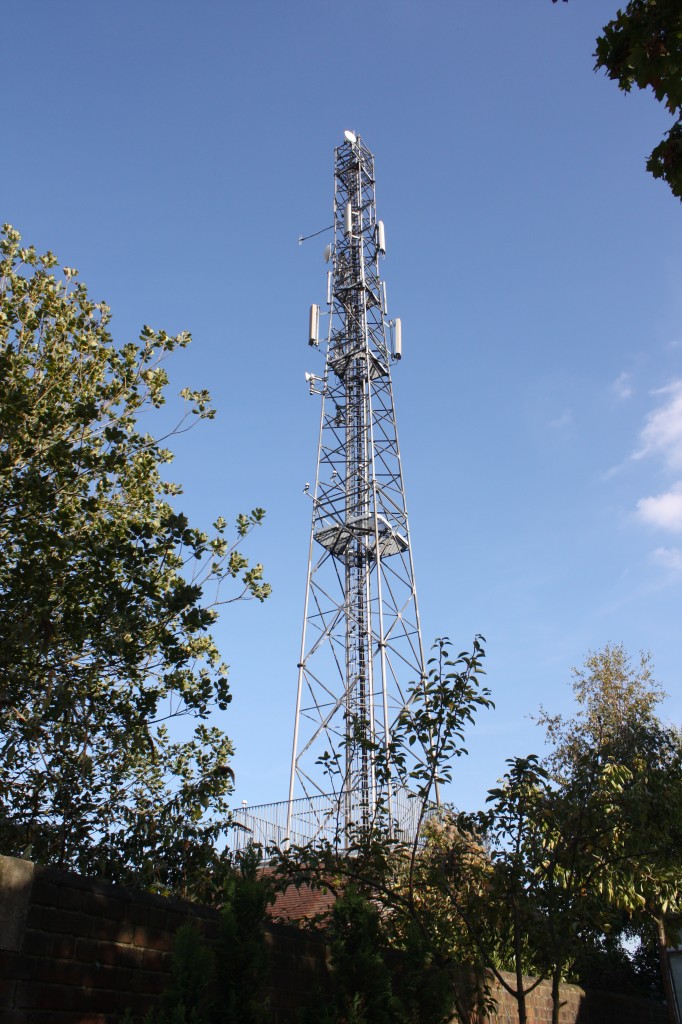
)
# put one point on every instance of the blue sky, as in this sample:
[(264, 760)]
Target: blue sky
[(174, 153)]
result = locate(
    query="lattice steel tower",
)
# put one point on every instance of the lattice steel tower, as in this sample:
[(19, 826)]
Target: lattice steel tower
[(361, 645)]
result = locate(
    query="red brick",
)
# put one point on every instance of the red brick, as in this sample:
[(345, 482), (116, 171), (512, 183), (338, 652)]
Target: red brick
[(96, 977), (103, 976), (87, 951), (62, 946), (125, 932), (37, 943), (103, 929), (153, 938), (55, 972), (120, 956), (97, 1001), (109, 953), (31, 996), (159, 918), (36, 915), (98, 905), (153, 960), (44, 892), (69, 899), (107, 930), (66, 922)]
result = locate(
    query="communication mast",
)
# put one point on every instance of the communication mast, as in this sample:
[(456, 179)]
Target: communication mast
[(361, 646)]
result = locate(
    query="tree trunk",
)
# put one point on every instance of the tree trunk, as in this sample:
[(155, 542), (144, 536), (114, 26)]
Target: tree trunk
[(670, 999), (556, 995), (521, 1003), (518, 965)]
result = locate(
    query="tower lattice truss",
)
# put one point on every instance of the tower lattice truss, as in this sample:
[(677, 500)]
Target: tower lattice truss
[(361, 645)]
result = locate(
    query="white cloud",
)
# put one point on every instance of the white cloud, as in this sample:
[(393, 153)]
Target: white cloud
[(662, 432), (670, 558), (664, 510), (563, 421), (621, 386)]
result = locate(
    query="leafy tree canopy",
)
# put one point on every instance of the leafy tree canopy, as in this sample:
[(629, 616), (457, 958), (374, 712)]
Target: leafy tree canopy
[(571, 854), (616, 713), (642, 46), (614, 833), (105, 606)]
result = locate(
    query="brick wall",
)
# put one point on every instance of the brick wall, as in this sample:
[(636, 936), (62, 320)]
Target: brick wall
[(81, 951), (579, 1007), (85, 950)]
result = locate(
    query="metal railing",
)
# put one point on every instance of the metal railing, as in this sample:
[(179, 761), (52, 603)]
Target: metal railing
[(319, 820)]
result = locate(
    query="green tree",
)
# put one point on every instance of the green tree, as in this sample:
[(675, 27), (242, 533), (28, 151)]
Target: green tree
[(395, 874), (642, 46), (225, 980), (568, 854), (583, 845), (573, 844), (617, 770), (241, 949), (511, 828), (574, 849), (361, 982), (616, 715), (107, 597)]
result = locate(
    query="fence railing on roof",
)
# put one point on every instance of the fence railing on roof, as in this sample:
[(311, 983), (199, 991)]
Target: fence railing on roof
[(319, 820)]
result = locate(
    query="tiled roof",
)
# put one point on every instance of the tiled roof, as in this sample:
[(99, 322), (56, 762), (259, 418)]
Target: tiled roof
[(301, 904)]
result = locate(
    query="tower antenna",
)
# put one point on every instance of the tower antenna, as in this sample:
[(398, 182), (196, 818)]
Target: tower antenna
[(361, 645)]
